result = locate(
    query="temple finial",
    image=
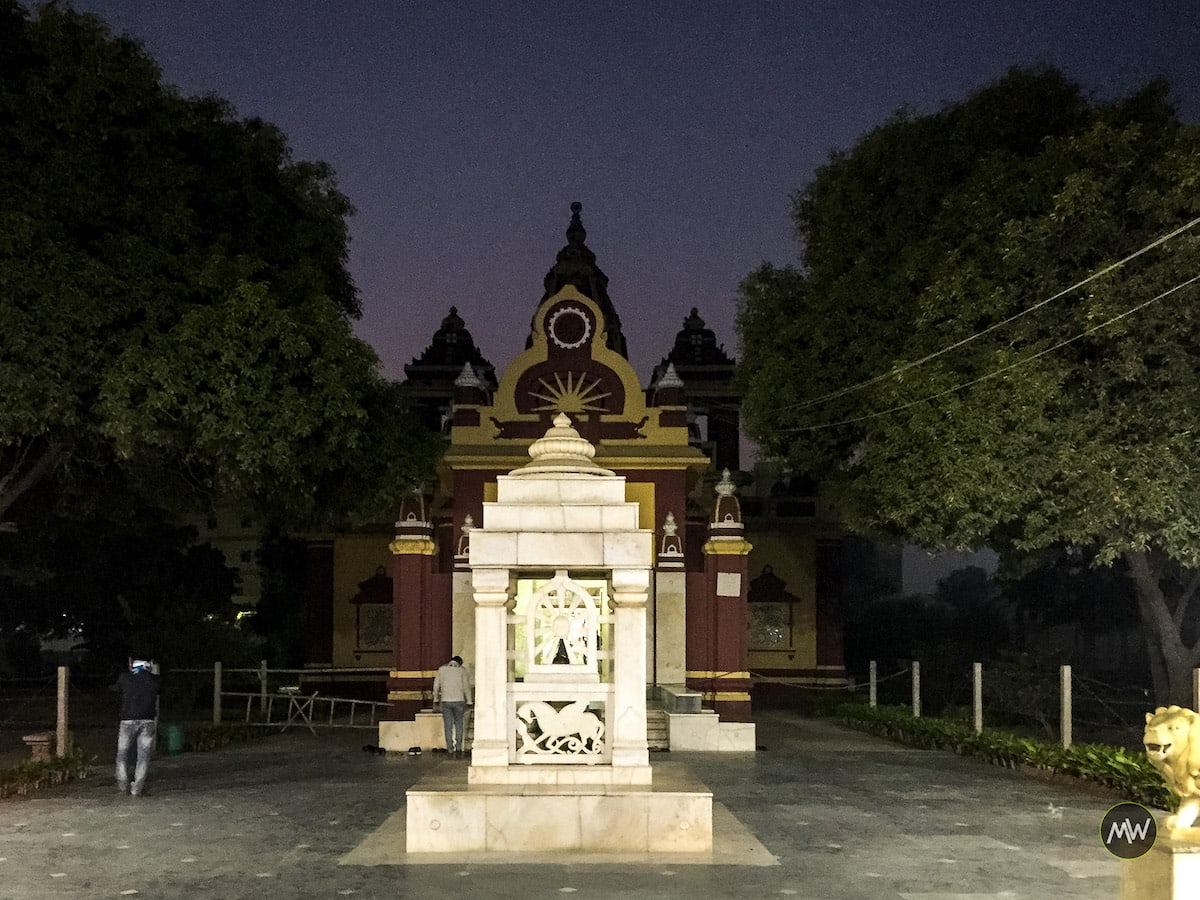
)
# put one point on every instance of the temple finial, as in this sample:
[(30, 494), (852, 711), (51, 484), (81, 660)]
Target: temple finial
[(575, 231)]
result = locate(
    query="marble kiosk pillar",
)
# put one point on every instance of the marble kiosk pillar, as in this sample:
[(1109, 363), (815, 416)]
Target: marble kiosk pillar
[(630, 590), (493, 591)]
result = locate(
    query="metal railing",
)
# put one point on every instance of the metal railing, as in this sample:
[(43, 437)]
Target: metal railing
[(274, 684), (301, 710)]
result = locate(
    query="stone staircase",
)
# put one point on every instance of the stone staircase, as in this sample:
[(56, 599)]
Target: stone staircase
[(658, 735)]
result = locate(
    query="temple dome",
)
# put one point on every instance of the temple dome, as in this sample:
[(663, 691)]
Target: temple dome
[(451, 347), (696, 345), (561, 450)]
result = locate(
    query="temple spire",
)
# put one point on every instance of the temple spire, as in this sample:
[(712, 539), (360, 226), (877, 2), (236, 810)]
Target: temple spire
[(576, 265), (576, 233)]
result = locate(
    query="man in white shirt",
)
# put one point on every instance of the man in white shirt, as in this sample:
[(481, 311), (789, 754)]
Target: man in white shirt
[(452, 690)]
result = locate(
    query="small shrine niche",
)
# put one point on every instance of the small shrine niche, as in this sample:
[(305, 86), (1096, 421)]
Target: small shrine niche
[(562, 633)]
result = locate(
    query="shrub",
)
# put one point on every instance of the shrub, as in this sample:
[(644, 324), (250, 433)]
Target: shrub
[(22, 780), (1113, 767)]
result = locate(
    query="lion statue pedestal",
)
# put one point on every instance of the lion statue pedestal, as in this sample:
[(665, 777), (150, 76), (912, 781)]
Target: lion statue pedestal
[(1170, 869)]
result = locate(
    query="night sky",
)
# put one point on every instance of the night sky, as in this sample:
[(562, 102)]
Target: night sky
[(461, 132)]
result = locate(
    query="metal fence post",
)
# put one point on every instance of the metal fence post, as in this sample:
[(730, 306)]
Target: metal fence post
[(1065, 714), (916, 689), (262, 681), (1195, 689), (873, 682), (217, 693), (977, 693), (64, 682)]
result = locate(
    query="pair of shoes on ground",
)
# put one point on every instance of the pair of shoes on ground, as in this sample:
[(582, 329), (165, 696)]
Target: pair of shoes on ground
[(124, 788)]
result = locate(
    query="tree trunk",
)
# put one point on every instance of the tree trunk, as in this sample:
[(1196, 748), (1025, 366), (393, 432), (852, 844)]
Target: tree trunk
[(1171, 659), (23, 467)]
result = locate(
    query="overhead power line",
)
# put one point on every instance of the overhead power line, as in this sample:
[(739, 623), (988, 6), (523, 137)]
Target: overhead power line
[(1028, 359), (841, 392)]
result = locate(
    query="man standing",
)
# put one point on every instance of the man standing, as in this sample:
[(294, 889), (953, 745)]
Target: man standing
[(452, 689), (139, 713)]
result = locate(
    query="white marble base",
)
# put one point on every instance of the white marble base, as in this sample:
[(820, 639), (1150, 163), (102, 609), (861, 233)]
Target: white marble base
[(733, 845), (560, 775), (446, 815), (426, 732), (1170, 871), (705, 732)]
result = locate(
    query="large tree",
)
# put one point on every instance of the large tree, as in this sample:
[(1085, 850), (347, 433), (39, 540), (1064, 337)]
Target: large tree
[(912, 364), (174, 295)]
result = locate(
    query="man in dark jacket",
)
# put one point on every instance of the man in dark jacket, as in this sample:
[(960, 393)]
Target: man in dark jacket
[(139, 715)]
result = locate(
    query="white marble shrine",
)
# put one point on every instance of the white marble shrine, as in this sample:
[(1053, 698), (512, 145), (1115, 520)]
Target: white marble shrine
[(561, 571)]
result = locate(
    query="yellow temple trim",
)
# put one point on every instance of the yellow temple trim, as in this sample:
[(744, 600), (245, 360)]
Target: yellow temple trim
[(406, 695), (412, 546), (733, 547)]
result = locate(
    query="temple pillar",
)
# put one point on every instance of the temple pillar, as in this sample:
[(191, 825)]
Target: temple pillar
[(413, 661), (318, 576), (670, 612), (726, 570)]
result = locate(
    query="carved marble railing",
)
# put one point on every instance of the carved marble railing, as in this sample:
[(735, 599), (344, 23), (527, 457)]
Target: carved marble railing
[(558, 724)]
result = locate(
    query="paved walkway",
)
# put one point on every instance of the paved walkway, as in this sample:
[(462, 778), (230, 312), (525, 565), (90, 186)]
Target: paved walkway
[(846, 816)]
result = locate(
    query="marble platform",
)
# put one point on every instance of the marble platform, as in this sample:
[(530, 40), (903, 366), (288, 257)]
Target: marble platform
[(705, 732), (425, 730), (445, 814)]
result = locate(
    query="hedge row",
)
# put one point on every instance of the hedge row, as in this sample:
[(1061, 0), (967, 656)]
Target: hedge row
[(201, 738), (1130, 774), (24, 779)]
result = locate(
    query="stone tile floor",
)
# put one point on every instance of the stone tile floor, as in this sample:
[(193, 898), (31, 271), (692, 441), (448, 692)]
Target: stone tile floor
[(840, 815)]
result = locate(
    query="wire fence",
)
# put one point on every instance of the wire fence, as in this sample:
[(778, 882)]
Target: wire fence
[(1046, 702), (347, 696), (82, 709), (1051, 703)]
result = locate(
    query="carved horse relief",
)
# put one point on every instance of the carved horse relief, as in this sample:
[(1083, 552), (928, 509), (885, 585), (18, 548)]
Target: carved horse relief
[(571, 729)]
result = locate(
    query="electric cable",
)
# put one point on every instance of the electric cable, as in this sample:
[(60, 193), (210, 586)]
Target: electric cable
[(1000, 371), (841, 392)]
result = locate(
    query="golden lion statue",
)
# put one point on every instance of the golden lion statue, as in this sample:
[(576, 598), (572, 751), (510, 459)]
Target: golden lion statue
[(1172, 741)]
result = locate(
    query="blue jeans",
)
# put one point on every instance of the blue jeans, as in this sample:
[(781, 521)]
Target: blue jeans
[(143, 732), (453, 712)]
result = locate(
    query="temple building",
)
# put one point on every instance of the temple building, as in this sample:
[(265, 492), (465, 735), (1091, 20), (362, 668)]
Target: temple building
[(746, 576)]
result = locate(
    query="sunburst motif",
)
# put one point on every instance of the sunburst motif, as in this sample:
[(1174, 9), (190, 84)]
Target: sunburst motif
[(576, 395)]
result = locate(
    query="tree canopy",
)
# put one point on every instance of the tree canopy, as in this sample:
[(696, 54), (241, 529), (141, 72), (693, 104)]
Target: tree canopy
[(174, 294), (927, 363)]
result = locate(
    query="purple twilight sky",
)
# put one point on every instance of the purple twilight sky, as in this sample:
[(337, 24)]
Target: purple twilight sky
[(462, 131)]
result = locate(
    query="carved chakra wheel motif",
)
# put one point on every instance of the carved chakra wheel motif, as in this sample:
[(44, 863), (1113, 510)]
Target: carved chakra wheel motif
[(561, 711), (569, 327), (562, 627)]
